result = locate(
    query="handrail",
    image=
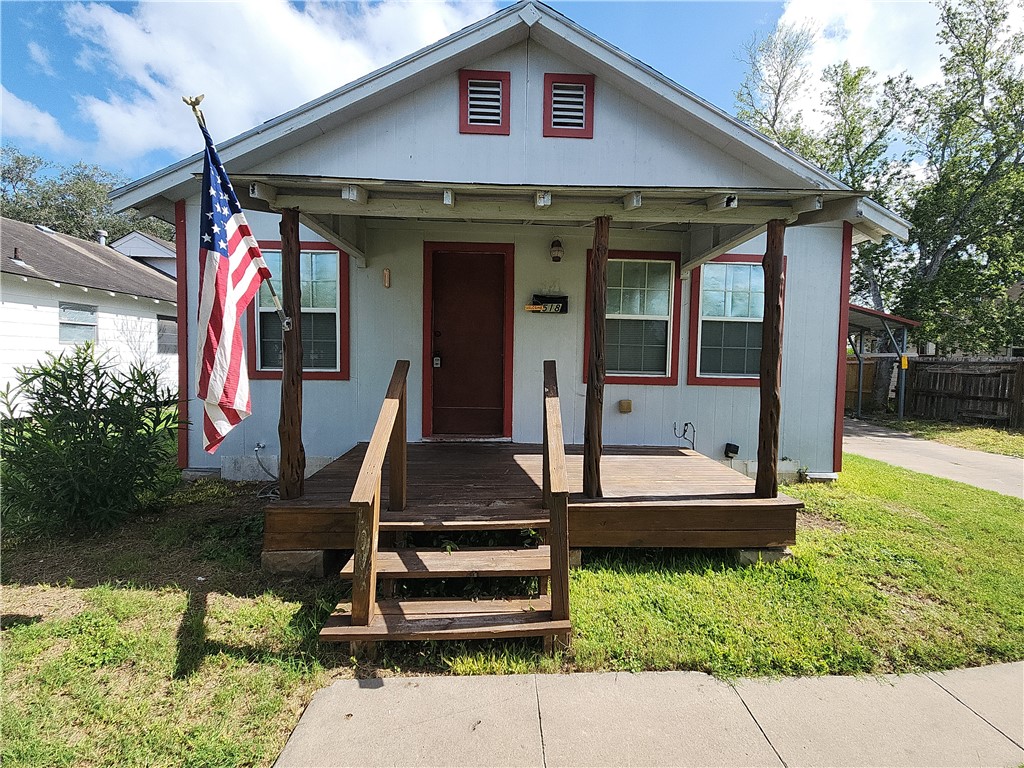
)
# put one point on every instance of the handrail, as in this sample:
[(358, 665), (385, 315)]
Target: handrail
[(387, 441), (556, 495)]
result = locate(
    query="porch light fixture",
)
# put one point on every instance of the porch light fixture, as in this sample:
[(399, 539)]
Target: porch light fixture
[(557, 251), (731, 450)]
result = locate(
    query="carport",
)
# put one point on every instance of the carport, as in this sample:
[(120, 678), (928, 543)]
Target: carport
[(864, 320)]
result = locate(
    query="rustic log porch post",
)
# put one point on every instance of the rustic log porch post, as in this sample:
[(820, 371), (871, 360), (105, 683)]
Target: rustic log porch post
[(592, 443), (766, 485), (292, 464)]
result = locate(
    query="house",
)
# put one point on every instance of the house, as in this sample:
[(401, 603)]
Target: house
[(148, 249), (57, 291), (450, 204)]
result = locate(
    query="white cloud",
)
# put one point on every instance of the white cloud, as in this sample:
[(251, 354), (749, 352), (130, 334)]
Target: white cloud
[(41, 57), (24, 120), (890, 37), (253, 60)]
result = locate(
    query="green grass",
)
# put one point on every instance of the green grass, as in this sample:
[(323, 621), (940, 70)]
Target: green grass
[(1008, 442), (163, 643)]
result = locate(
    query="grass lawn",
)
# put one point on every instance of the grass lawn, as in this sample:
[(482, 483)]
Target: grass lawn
[(1008, 442), (162, 643)]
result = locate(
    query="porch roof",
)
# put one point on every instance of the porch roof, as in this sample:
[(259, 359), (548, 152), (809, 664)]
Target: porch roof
[(711, 221)]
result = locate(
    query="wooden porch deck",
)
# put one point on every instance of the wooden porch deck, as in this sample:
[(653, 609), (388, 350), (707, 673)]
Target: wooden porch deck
[(654, 497)]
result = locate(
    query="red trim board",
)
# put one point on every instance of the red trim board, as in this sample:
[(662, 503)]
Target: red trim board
[(507, 250), (844, 326), (181, 270), (342, 374)]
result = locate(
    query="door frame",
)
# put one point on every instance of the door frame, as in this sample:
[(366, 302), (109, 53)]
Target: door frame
[(507, 251)]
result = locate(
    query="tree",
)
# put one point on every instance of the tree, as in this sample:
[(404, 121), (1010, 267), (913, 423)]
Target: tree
[(777, 70), (72, 199), (968, 218)]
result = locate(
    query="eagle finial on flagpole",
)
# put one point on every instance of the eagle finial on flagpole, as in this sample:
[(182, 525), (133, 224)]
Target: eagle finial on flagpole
[(194, 102)]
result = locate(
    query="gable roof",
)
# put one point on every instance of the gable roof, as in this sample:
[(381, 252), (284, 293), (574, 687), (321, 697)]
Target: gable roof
[(48, 255), (526, 19), (164, 245)]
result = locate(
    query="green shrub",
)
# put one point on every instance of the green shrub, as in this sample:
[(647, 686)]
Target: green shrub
[(84, 445)]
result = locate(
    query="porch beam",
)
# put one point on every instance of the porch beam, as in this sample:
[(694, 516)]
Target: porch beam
[(849, 209), (722, 202), (336, 238), (292, 464), (720, 244), (766, 485), (542, 208), (592, 441)]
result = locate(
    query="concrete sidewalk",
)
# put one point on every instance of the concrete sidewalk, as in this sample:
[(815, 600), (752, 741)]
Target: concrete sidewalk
[(971, 717), (1003, 474)]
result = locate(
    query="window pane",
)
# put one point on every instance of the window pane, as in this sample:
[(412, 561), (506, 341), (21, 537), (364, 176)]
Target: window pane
[(166, 335), (757, 305), (325, 266), (733, 360), (634, 274), (614, 301), (757, 278), (319, 341), (659, 275), (325, 294), (656, 303), (271, 353), (713, 277), (738, 277), (753, 361), (734, 335), (77, 313), (655, 333), (305, 266), (631, 301), (711, 360), (273, 259), (636, 346), (739, 304), (71, 333), (614, 273), (730, 348), (711, 333), (631, 359), (714, 304)]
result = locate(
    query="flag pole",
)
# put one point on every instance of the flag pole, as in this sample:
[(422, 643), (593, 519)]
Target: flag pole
[(194, 102)]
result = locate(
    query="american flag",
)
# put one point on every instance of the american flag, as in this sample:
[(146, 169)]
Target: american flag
[(231, 269)]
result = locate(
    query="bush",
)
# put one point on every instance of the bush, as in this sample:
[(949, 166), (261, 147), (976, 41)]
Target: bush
[(84, 445)]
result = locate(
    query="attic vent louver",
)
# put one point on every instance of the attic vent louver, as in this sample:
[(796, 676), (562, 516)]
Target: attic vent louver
[(485, 99), (569, 105), (484, 102)]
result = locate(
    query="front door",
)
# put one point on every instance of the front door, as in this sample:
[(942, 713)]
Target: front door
[(466, 343)]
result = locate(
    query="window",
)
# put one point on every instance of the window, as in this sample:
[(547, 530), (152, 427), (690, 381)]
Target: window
[(323, 275), (484, 102), (77, 323), (726, 307), (569, 106), (166, 335), (641, 319)]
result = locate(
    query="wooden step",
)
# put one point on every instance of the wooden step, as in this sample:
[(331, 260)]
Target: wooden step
[(497, 516), (430, 619), (471, 561)]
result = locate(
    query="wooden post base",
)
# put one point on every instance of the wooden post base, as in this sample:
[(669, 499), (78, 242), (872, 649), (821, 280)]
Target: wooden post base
[(762, 555), (575, 559), (363, 651)]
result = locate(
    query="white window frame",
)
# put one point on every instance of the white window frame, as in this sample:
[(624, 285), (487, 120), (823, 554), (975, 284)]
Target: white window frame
[(669, 319), (95, 324), (260, 309), (701, 317)]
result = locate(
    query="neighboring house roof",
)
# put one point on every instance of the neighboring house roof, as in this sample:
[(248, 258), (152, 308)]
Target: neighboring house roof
[(47, 255), (163, 245), (865, 318), (527, 19)]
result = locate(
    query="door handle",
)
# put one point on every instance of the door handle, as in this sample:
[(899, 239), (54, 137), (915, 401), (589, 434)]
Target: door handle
[(437, 360)]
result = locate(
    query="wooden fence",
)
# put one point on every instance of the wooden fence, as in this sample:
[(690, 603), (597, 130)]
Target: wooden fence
[(989, 390)]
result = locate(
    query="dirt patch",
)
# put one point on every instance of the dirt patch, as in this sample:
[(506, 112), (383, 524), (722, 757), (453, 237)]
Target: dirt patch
[(28, 604), (809, 520)]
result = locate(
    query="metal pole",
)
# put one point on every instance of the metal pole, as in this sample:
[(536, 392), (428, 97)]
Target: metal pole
[(902, 383), (860, 375)]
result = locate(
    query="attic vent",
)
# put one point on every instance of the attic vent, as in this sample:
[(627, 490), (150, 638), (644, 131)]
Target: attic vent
[(484, 102), (569, 105)]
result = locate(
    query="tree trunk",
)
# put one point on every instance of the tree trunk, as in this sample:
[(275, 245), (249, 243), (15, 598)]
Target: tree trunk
[(592, 442), (766, 485), (292, 466)]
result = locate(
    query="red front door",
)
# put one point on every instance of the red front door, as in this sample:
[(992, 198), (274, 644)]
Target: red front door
[(465, 343)]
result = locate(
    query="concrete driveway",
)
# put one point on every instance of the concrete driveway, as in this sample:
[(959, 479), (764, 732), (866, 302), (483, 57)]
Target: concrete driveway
[(1003, 474)]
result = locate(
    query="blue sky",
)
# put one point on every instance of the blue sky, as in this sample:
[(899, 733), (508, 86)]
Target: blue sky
[(101, 82)]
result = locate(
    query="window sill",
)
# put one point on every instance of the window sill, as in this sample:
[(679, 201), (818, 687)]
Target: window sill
[(654, 381), (307, 375), (696, 380)]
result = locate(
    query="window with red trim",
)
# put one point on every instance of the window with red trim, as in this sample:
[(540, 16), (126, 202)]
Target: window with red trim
[(569, 106), (726, 307), (484, 102), (323, 275), (641, 320)]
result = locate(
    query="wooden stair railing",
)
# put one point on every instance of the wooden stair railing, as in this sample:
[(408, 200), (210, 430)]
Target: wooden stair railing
[(388, 441), (556, 497)]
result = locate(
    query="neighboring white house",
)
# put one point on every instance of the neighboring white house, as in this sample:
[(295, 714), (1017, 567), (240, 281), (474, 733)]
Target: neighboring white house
[(149, 250), (432, 193), (57, 291)]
